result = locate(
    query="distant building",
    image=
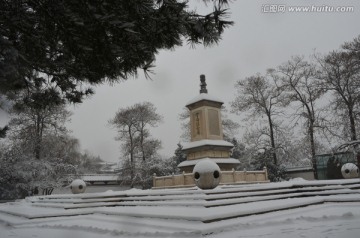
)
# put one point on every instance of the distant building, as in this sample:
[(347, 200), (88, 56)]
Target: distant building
[(306, 172), (108, 167), (101, 179)]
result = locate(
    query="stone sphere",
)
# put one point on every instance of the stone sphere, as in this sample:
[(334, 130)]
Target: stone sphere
[(77, 186), (350, 170), (207, 174)]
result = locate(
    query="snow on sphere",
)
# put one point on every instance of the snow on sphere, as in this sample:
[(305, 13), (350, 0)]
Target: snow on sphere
[(207, 174), (350, 170), (77, 186)]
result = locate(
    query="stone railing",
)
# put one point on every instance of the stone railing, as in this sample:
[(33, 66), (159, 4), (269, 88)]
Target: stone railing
[(227, 177), (232, 177), (178, 180)]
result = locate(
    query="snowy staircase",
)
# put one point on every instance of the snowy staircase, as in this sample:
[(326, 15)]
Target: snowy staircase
[(224, 196), (178, 210)]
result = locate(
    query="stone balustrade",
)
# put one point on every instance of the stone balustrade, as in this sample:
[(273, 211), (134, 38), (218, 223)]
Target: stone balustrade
[(227, 177)]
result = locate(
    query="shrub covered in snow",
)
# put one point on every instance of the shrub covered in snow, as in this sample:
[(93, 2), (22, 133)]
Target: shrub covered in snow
[(144, 171), (276, 172), (22, 175)]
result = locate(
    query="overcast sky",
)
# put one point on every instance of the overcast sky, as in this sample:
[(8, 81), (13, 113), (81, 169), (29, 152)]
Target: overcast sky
[(257, 41)]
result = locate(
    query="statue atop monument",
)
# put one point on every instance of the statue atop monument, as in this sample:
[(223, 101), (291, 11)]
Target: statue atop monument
[(203, 84)]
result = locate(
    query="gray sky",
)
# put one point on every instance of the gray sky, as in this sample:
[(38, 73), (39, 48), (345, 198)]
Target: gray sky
[(256, 42)]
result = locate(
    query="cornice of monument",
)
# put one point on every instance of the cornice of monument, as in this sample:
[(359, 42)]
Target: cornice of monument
[(201, 143), (204, 97), (216, 160)]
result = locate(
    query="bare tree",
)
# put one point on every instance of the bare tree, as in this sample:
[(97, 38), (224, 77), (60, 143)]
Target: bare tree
[(340, 75), (125, 121), (132, 125), (260, 97), (353, 47), (147, 117), (299, 80)]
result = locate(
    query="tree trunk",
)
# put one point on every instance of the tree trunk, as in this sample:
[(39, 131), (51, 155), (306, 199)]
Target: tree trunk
[(272, 139), (142, 142), (132, 166), (38, 137), (352, 123), (312, 137), (312, 146)]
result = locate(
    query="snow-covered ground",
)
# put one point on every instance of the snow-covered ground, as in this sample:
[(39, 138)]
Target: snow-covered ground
[(296, 208)]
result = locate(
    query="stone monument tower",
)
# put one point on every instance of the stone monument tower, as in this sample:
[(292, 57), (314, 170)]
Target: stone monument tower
[(207, 141)]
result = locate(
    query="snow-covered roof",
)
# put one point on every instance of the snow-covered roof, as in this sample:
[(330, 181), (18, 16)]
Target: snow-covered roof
[(107, 163), (299, 169), (199, 143), (204, 96), (216, 160)]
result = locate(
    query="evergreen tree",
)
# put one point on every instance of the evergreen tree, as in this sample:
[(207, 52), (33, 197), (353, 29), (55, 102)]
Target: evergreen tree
[(77, 42), (179, 156), (38, 151), (37, 114), (263, 159), (238, 150), (3, 131)]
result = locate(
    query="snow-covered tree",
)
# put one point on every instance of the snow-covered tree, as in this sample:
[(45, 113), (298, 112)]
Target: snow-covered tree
[(145, 170), (259, 96), (132, 124), (32, 121), (263, 159), (179, 155), (147, 116), (3, 131), (39, 151), (300, 81), (340, 75), (21, 174), (239, 148)]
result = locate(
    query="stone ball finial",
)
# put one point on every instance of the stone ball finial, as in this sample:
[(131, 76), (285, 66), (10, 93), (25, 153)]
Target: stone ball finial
[(207, 174), (350, 170), (203, 84), (78, 186)]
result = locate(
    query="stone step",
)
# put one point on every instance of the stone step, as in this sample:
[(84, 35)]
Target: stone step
[(189, 204), (199, 199)]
